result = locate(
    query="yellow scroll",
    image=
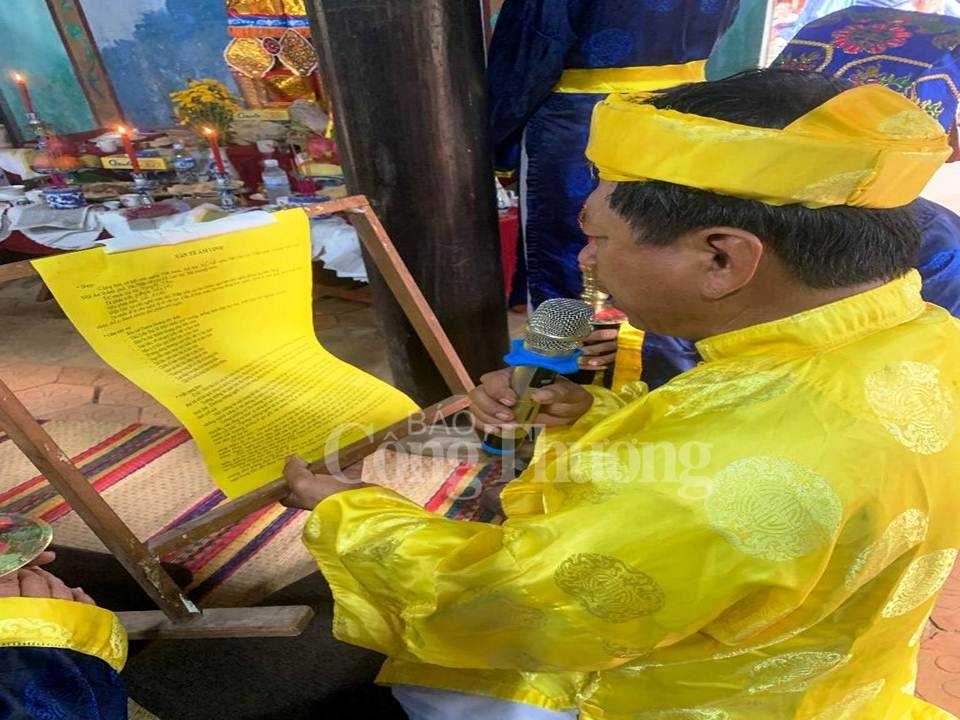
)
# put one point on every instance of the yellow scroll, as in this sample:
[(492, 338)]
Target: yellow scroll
[(220, 331)]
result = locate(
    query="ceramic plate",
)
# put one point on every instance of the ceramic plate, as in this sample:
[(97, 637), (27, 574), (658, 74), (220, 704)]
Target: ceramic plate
[(21, 540)]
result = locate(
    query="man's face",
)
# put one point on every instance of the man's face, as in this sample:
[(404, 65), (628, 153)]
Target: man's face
[(658, 287)]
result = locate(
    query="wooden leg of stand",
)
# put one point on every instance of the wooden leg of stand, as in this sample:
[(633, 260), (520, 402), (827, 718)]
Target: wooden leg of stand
[(280, 621), (66, 479), (44, 294)]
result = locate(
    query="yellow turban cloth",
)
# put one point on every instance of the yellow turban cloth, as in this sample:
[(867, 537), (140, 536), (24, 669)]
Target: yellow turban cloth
[(867, 147)]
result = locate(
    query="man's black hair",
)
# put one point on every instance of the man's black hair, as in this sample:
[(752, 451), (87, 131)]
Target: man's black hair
[(828, 247)]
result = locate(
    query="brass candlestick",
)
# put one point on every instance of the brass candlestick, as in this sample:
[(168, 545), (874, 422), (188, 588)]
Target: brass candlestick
[(592, 294), (225, 190), (40, 130), (605, 317), (142, 185)]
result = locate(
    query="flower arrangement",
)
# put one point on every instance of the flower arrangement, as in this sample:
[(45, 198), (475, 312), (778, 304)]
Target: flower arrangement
[(205, 102)]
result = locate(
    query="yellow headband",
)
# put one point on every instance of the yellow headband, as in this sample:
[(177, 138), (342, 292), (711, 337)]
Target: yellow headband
[(867, 147)]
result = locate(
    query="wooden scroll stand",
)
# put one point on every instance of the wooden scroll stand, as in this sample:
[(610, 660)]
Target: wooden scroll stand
[(178, 617)]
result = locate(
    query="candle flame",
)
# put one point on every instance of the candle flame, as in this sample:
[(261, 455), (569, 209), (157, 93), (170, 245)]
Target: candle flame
[(122, 129), (209, 131), (18, 78)]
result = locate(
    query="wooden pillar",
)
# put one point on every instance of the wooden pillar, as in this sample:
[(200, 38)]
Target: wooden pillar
[(408, 87), (82, 49)]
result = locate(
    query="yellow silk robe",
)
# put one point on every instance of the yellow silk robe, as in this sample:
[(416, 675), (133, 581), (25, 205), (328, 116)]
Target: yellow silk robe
[(761, 538)]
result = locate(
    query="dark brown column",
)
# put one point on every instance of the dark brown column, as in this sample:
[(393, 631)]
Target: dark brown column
[(408, 88)]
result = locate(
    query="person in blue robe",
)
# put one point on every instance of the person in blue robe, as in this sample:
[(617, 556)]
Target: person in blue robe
[(550, 62)]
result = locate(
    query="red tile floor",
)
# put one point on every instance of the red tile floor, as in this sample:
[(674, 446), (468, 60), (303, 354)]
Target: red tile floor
[(939, 664)]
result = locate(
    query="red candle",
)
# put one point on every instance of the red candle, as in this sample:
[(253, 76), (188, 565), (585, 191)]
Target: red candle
[(128, 146), (215, 147), (21, 82)]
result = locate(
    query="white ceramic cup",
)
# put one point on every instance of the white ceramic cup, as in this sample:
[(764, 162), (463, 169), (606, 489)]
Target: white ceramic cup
[(108, 144)]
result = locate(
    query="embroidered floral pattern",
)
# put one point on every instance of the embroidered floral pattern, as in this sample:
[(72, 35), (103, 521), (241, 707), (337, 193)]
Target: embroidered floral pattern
[(871, 38), (811, 61), (933, 109), (947, 40), (874, 74)]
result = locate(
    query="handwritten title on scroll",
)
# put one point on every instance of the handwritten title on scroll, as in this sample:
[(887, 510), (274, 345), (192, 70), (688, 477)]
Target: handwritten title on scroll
[(220, 331)]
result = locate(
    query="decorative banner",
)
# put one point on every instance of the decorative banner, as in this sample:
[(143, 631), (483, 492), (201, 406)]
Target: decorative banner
[(271, 114), (220, 331)]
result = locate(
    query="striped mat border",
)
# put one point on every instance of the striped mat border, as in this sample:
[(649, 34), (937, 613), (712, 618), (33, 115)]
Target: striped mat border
[(218, 556)]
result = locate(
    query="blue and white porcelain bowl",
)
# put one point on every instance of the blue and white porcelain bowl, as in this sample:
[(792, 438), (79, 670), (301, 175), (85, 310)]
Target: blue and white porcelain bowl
[(65, 198), (301, 200)]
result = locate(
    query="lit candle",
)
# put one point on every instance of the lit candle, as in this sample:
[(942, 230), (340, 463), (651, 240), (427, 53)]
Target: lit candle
[(215, 147), (21, 82), (128, 146)]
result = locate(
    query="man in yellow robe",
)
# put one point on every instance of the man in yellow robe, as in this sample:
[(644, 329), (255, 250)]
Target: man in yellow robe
[(764, 536)]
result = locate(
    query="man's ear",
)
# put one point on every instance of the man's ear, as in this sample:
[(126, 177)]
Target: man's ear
[(734, 256)]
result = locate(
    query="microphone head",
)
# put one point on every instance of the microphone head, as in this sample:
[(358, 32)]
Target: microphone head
[(558, 327)]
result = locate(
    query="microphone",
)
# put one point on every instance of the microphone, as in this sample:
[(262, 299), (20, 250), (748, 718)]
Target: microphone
[(550, 347)]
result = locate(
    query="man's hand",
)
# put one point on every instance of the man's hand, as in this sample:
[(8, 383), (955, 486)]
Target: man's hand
[(561, 403), (599, 349), (307, 489), (33, 581)]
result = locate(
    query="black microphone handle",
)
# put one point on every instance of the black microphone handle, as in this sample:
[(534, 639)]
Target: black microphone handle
[(525, 379)]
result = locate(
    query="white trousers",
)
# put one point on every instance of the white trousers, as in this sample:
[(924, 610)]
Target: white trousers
[(421, 703)]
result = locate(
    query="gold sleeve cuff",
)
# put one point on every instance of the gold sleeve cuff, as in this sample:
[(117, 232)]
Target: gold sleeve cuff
[(43, 622)]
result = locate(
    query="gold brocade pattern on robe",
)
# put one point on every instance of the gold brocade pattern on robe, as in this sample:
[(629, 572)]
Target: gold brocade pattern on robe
[(851, 705), (907, 530), (687, 714), (608, 587), (792, 672), (725, 389), (923, 579), (773, 508), (913, 405)]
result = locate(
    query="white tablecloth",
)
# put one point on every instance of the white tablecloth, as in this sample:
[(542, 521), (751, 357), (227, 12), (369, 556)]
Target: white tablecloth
[(334, 241), (60, 229), (17, 160)]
